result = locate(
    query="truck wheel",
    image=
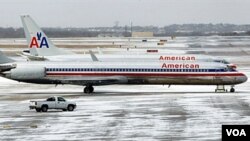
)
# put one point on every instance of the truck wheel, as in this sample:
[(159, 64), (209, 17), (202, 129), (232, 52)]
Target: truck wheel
[(70, 108), (44, 108), (38, 110)]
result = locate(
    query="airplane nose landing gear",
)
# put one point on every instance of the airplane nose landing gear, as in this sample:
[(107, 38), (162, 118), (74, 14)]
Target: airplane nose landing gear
[(232, 90), (88, 89)]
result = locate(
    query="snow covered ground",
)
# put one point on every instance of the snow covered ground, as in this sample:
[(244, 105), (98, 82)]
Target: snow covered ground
[(123, 113)]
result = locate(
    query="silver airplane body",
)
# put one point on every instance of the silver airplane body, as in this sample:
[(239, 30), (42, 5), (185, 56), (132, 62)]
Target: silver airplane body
[(91, 74), (127, 57)]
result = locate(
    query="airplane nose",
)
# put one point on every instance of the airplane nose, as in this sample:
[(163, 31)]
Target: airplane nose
[(243, 78)]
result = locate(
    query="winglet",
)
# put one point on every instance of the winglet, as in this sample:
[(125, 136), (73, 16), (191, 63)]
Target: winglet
[(94, 58), (99, 50)]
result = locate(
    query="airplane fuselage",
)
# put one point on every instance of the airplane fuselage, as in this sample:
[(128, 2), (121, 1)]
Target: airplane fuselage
[(106, 73)]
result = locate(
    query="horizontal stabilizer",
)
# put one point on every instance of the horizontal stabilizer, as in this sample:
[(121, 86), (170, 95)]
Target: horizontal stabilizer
[(32, 58)]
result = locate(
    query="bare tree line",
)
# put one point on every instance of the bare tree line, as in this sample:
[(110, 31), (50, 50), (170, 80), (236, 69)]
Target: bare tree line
[(171, 30)]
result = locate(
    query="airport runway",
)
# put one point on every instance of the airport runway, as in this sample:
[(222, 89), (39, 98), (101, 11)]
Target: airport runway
[(138, 113)]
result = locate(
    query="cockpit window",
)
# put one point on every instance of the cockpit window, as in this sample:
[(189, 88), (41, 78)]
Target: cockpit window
[(225, 62), (222, 61), (231, 69)]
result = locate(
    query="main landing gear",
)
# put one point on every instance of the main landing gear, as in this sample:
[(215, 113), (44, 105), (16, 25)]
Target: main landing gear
[(88, 89), (221, 88)]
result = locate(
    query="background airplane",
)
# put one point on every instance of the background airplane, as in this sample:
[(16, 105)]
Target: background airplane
[(41, 48)]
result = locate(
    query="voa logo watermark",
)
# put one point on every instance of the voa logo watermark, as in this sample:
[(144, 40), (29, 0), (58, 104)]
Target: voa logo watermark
[(236, 132)]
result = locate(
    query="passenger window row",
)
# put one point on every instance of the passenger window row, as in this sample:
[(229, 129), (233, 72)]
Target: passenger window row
[(132, 70)]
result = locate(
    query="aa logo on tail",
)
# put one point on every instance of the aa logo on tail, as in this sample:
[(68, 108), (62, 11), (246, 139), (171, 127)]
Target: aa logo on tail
[(39, 41)]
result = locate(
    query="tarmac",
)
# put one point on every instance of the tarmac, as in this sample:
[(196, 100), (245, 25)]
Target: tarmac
[(177, 113)]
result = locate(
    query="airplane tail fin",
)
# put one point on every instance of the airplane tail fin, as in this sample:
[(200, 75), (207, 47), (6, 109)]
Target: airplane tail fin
[(38, 43)]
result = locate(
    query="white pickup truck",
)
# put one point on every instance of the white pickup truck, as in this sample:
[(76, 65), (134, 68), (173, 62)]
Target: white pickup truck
[(54, 102)]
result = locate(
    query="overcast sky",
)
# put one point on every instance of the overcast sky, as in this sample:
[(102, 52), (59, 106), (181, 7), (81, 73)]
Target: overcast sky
[(90, 13)]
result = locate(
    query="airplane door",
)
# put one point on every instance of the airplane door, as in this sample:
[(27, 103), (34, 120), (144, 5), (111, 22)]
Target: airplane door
[(61, 103), (217, 78)]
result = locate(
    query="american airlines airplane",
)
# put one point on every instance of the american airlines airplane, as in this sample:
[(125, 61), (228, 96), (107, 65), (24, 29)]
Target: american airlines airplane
[(91, 74), (41, 48)]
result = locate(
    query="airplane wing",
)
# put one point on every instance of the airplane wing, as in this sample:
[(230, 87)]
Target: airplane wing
[(6, 63), (95, 80)]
